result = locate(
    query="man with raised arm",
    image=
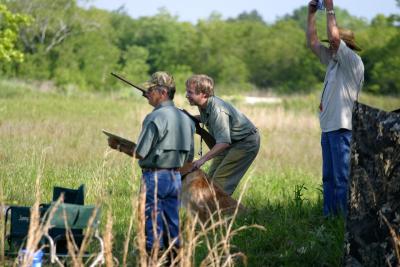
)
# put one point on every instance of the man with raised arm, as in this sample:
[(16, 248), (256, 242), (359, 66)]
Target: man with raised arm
[(343, 81), (237, 139), (165, 144)]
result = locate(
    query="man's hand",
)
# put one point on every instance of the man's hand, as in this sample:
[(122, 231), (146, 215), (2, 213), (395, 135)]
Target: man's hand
[(113, 143), (197, 164), (312, 6)]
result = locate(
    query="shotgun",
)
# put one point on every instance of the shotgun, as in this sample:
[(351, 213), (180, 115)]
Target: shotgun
[(131, 84), (206, 136)]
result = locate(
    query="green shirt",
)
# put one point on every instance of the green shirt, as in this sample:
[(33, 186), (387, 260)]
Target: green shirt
[(224, 122), (166, 139)]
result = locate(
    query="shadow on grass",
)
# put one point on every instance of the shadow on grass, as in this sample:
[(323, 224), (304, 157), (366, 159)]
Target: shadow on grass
[(295, 236)]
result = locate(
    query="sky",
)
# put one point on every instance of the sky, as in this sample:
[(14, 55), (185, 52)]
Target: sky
[(270, 10)]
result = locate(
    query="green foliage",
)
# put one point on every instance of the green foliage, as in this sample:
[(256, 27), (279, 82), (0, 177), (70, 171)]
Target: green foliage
[(381, 56), (135, 59), (79, 47), (285, 62), (383, 76), (168, 41), (10, 24), (54, 22), (181, 73), (249, 16)]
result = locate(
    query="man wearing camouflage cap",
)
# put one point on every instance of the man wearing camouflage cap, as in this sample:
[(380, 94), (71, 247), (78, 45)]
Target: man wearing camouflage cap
[(165, 144), (343, 82)]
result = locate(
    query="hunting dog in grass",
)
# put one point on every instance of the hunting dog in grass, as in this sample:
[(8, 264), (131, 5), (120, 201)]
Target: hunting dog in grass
[(200, 195)]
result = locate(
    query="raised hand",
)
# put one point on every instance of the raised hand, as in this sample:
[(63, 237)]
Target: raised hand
[(313, 6)]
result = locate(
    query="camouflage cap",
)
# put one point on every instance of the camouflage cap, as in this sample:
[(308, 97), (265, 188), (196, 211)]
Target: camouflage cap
[(160, 78)]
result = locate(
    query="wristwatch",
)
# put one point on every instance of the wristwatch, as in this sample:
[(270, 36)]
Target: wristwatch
[(330, 12)]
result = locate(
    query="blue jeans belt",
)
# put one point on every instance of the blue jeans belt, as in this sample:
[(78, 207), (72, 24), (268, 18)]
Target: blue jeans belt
[(159, 169)]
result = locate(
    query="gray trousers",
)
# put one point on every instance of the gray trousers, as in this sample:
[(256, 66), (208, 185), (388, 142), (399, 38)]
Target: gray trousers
[(228, 168)]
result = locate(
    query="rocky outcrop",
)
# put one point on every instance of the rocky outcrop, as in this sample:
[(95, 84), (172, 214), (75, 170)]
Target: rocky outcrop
[(373, 219)]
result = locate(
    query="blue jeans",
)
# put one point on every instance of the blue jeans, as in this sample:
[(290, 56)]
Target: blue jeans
[(335, 170), (162, 207)]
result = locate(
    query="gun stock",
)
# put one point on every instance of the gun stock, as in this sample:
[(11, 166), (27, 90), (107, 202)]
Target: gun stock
[(206, 136), (128, 145)]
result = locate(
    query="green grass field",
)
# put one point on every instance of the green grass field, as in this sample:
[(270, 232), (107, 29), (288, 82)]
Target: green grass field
[(57, 136)]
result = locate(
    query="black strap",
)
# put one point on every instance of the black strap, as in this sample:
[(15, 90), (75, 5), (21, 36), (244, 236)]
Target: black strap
[(201, 141), (76, 218)]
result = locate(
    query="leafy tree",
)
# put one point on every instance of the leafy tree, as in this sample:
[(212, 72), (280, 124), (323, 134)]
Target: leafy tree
[(68, 44), (220, 51), (168, 41), (249, 16), (35, 66), (280, 59), (135, 63), (80, 47), (124, 28), (181, 73), (382, 65), (86, 61), (10, 24), (380, 32), (54, 21)]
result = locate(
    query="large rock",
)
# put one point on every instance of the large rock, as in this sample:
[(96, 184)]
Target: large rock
[(373, 219)]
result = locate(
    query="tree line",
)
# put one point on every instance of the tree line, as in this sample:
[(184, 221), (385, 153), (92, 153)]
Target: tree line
[(76, 47)]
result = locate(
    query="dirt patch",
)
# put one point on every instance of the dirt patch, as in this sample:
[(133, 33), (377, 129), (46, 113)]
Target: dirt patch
[(267, 100)]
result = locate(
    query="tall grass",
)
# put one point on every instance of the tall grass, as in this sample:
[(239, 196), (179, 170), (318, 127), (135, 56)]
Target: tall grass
[(283, 193)]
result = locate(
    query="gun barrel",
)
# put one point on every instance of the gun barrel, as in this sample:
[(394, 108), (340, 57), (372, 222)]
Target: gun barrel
[(128, 82)]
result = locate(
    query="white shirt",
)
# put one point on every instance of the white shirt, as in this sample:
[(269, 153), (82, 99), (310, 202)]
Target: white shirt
[(343, 81)]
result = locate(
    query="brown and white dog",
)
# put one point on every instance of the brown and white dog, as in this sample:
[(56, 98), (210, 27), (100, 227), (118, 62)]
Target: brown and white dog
[(202, 196)]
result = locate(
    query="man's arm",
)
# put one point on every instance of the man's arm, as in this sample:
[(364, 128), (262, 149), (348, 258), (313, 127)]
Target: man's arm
[(129, 151), (147, 138), (312, 37), (115, 144), (218, 148), (220, 122), (332, 28)]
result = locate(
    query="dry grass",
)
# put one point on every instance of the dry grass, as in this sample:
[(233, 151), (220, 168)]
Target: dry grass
[(68, 130), (39, 228), (2, 226), (216, 233), (80, 142)]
